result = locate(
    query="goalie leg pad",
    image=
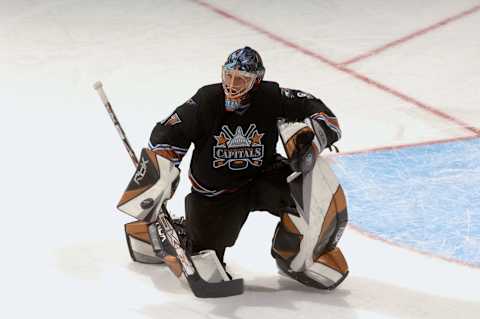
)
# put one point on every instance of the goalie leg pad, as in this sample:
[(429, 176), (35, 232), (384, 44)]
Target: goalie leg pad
[(286, 240), (308, 252), (327, 272), (209, 267), (139, 243), (144, 245)]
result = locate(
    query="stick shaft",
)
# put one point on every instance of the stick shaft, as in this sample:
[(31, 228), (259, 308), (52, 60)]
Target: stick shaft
[(99, 88)]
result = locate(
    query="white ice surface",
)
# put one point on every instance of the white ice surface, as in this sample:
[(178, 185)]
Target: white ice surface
[(63, 167)]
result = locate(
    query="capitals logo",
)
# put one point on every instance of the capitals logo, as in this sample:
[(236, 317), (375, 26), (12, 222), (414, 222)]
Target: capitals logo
[(238, 150)]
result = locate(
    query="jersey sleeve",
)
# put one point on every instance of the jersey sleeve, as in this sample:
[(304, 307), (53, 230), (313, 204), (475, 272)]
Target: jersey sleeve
[(172, 137), (298, 105)]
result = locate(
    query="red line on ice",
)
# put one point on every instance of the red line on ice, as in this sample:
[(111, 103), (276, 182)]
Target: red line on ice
[(386, 241), (413, 35), (400, 146), (340, 68)]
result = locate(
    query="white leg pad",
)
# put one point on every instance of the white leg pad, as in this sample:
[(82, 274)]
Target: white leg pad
[(141, 247), (323, 274), (209, 267)]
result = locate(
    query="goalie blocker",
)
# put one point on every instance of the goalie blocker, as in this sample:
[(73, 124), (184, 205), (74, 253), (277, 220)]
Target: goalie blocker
[(305, 241)]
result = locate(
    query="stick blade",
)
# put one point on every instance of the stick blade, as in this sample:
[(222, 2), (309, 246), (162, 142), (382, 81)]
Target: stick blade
[(204, 289)]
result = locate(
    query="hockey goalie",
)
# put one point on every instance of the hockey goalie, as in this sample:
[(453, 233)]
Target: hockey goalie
[(235, 169)]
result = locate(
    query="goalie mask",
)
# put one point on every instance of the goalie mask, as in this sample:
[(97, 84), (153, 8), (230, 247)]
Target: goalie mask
[(241, 73)]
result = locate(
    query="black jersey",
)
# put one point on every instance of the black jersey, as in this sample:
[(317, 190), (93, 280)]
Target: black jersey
[(231, 148)]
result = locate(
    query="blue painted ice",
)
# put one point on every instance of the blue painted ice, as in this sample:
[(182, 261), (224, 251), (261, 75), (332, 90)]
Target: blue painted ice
[(424, 197)]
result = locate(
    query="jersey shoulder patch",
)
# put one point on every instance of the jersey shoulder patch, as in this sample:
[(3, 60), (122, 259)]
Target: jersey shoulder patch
[(295, 94), (172, 120)]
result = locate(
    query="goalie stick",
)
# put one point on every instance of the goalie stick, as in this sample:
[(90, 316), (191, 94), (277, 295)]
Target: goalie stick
[(98, 86), (165, 238)]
